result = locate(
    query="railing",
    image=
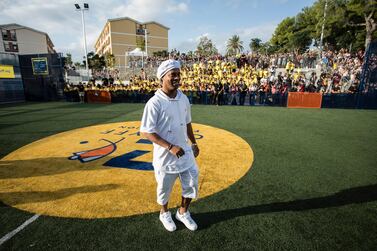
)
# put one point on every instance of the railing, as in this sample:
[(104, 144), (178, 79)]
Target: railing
[(338, 100)]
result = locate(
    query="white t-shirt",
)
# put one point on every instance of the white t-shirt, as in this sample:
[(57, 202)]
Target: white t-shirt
[(168, 117)]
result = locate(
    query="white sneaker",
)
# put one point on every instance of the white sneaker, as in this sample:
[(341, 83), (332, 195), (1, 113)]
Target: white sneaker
[(167, 221), (186, 220)]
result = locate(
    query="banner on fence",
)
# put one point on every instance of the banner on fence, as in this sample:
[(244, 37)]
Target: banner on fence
[(304, 100), (95, 96)]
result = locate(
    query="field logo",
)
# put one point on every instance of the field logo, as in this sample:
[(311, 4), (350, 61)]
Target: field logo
[(94, 154), (106, 171)]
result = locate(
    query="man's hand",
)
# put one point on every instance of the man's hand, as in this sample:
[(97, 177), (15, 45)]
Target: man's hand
[(195, 150), (177, 151)]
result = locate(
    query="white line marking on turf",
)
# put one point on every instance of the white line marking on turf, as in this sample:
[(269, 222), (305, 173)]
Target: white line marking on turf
[(14, 232)]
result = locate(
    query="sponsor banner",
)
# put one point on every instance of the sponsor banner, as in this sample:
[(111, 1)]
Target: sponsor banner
[(7, 71)]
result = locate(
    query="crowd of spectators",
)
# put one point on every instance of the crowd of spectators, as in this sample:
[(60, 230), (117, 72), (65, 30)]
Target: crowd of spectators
[(245, 79)]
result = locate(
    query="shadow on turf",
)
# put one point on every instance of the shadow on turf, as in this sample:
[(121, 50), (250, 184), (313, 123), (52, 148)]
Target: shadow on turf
[(354, 195), (44, 196)]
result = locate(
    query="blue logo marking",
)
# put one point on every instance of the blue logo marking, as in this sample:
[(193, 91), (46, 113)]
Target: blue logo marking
[(125, 161)]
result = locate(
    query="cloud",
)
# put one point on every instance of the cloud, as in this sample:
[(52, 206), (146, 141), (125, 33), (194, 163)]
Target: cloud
[(263, 31), (181, 7), (62, 22), (236, 4), (146, 10)]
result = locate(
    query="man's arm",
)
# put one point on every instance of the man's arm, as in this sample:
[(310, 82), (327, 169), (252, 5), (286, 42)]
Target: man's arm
[(155, 138), (191, 136)]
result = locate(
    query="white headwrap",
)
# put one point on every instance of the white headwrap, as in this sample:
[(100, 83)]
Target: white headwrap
[(166, 66)]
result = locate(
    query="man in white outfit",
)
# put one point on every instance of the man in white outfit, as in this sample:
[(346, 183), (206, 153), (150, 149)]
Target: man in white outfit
[(167, 123)]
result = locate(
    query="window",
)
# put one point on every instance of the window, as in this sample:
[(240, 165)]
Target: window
[(11, 47), (140, 30), (9, 35), (5, 34), (15, 47), (6, 47), (13, 35)]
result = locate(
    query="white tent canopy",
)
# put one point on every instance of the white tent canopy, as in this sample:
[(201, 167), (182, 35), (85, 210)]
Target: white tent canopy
[(137, 53)]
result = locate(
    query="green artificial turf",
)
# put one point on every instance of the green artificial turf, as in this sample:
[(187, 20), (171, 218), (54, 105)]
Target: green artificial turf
[(312, 186)]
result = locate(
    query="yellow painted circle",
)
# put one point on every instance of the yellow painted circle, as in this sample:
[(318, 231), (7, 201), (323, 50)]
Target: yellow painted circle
[(97, 171)]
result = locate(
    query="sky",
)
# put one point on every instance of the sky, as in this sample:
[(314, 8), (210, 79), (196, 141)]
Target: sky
[(188, 20)]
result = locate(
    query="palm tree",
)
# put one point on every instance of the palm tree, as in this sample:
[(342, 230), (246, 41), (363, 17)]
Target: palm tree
[(234, 45), (255, 44)]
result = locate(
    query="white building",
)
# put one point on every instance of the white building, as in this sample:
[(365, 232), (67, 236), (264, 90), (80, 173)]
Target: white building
[(23, 40)]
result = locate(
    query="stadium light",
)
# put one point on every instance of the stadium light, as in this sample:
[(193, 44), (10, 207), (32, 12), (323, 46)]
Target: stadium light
[(322, 30), (146, 40), (78, 8)]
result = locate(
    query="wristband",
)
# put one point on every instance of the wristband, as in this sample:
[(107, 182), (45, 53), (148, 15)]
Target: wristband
[(170, 147)]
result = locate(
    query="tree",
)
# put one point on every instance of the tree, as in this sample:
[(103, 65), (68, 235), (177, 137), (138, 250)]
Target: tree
[(334, 24), (206, 47), (190, 54), (363, 13), (348, 23), (303, 30), (95, 61), (78, 64), (68, 59), (299, 41), (163, 53), (109, 60), (266, 48), (140, 42), (234, 45), (283, 34), (255, 44)]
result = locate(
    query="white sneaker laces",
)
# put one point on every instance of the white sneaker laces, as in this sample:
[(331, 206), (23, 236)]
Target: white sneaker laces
[(167, 216)]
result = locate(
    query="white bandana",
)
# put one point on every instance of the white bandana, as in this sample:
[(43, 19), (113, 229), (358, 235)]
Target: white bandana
[(166, 66)]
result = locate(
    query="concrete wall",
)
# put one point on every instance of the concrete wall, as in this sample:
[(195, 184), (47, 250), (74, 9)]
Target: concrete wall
[(103, 40), (31, 42), (125, 26)]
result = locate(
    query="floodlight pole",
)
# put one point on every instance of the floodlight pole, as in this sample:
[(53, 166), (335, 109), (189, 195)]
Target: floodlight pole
[(323, 28), (85, 48), (146, 41), (78, 8)]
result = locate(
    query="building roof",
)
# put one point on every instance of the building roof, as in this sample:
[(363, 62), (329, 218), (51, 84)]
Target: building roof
[(128, 18), (14, 26)]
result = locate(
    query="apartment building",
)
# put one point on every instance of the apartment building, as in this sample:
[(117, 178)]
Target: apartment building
[(125, 34), (19, 39)]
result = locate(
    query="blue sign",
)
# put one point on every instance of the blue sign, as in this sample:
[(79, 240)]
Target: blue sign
[(40, 66)]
